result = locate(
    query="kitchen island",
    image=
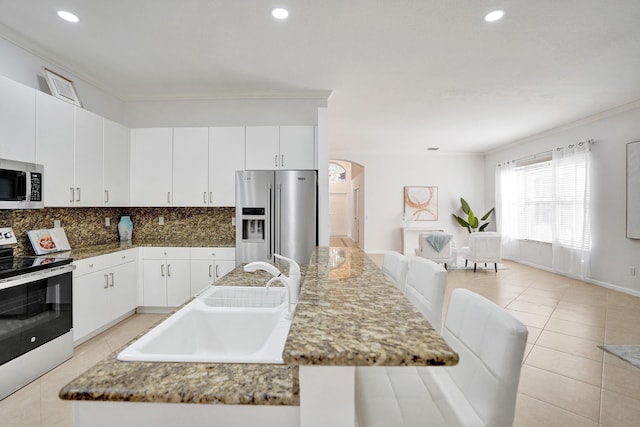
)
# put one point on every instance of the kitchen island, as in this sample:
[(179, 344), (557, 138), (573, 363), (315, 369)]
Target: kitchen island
[(349, 314)]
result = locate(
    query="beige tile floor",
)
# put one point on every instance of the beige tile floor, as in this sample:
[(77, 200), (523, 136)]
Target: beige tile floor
[(566, 379)]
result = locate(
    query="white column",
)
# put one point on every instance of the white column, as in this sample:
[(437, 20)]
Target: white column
[(327, 396)]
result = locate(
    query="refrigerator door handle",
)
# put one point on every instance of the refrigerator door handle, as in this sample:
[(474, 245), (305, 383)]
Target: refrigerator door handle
[(278, 219), (270, 218)]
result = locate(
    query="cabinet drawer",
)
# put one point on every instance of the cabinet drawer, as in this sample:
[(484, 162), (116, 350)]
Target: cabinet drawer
[(97, 263), (228, 253), (166, 253)]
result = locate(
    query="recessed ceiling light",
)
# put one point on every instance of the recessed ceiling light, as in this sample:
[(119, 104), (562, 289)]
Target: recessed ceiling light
[(494, 15), (280, 13), (68, 16)]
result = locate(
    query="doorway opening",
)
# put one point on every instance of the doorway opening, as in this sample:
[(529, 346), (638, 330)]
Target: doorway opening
[(346, 203)]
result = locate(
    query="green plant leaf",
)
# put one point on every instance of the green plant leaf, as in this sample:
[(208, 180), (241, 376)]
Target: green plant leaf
[(473, 220), (484, 226), (461, 221), (465, 206), (484, 218)]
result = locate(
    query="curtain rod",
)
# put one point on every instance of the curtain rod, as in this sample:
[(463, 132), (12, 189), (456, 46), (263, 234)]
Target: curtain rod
[(547, 152)]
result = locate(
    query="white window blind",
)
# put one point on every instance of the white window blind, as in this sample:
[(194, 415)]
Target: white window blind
[(533, 199)]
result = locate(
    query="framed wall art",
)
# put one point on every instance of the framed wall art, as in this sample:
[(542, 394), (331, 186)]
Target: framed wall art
[(61, 87), (421, 203), (633, 190)]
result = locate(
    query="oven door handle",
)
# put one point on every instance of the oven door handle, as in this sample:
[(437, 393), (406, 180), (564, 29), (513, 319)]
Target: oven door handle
[(38, 275)]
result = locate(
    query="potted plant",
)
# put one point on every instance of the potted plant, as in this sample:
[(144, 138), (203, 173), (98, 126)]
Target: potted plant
[(472, 223)]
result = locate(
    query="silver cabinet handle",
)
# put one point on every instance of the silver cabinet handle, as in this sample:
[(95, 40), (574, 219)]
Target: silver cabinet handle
[(204, 197), (78, 199), (111, 276), (106, 281), (217, 271), (276, 160), (282, 160), (168, 197), (169, 270), (210, 275), (162, 270), (106, 196), (210, 196), (73, 195)]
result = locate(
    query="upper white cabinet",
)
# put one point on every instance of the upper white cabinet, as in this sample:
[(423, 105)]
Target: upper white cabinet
[(191, 166), (116, 164), (88, 159), (151, 166), (284, 147), (226, 156), (17, 121), (85, 157), (55, 134)]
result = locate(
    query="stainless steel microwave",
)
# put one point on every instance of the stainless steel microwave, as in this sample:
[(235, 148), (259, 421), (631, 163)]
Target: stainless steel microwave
[(21, 185)]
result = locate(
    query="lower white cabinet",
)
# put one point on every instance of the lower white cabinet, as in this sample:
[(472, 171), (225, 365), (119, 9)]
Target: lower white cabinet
[(166, 277), (104, 289), (210, 264)]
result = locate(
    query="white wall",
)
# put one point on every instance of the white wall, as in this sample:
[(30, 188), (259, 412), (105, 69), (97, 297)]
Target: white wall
[(455, 175), (612, 253)]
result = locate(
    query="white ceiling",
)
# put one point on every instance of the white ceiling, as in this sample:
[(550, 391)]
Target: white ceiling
[(403, 74)]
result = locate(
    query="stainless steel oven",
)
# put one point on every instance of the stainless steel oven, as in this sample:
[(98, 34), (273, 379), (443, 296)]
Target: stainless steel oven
[(35, 318)]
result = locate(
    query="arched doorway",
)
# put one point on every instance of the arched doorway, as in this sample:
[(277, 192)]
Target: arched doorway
[(346, 203)]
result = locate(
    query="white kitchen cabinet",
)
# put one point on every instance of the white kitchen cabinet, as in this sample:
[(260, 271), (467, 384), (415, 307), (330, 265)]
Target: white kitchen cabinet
[(55, 135), (226, 156), (116, 164), (69, 145), (88, 159), (104, 291), (190, 166), (284, 147), (151, 166), (166, 277), (210, 264), (17, 121)]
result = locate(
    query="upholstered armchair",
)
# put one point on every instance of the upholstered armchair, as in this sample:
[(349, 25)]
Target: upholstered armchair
[(484, 246), (436, 246)]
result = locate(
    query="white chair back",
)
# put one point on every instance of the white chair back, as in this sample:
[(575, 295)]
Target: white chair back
[(395, 265), (485, 246), (425, 285), (491, 344), (427, 250)]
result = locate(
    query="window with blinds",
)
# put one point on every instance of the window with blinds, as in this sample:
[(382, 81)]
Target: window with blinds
[(533, 199)]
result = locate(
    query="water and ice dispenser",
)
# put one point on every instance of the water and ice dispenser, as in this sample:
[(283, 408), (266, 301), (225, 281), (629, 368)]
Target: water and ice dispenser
[(253, 224)]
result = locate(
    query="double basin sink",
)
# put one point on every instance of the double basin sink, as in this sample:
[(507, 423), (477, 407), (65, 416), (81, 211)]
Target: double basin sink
[(224, 324)]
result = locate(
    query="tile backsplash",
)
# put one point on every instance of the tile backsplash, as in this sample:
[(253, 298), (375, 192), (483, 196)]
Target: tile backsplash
[(86, 226)]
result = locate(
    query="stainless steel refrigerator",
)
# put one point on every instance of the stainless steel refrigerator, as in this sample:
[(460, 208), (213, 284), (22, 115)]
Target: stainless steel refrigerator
[(276, 213)]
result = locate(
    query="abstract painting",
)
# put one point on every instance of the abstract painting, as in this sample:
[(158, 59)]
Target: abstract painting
[(421, 203)]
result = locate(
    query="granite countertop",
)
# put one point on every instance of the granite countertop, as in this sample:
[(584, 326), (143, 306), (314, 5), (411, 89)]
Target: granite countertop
[(349, 314), (107, 248)]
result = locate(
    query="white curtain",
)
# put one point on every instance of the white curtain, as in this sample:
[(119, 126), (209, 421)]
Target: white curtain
[(571, 211), (506, 210)]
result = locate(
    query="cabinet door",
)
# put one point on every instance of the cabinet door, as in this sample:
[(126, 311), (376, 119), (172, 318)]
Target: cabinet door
[(123, 290), (297, 148), (88, 159), (223, 267), (116, 164), (55, 140), (178, 282), (154, 286), (202, 275), (90, 303), (151, 167), (226, 156), (17, 121), (261, 145), (190, 166)]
